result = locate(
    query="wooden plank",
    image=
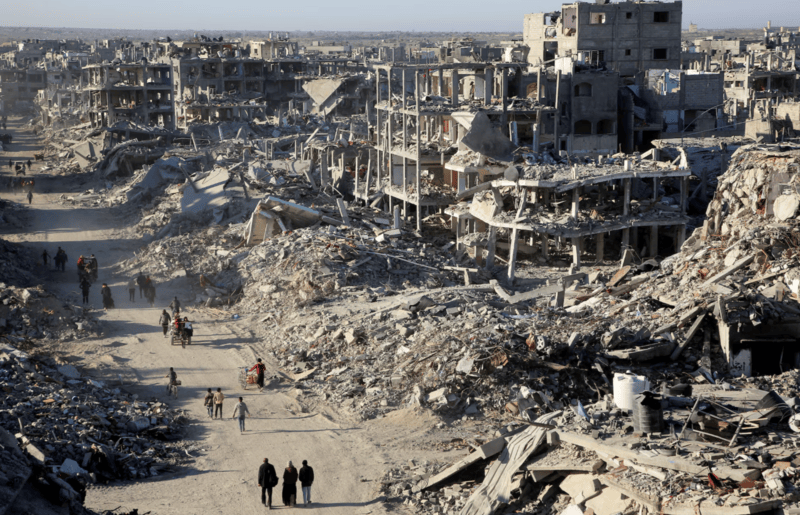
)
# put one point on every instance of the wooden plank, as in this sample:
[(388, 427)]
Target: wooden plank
[(728, 271), (619, 276), (688, 338)]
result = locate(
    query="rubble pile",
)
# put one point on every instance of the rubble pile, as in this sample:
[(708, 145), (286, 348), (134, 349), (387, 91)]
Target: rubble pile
[(77, 431), (11, 213), (64, 416), (32, 313), (16, 264), (729, 447)]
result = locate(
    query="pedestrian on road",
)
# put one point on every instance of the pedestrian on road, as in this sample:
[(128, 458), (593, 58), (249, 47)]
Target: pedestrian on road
[(175, 305), (85, 285), (267, 480), (150, 292), (173, 378), (29, 164), (30, 197), (108, 302), (140, 281), (164, 321), (240, 409), (218, 398), (306, 479), (208, 402), (187, 329), (259, 368), (289, 493), (45, 255), (132, 290), (60, 259)]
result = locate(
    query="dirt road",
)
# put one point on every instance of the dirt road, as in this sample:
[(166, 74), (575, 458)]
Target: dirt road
[(223, 477)]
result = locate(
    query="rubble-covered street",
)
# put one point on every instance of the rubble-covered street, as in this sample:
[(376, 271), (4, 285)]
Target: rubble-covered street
[(522, 275)]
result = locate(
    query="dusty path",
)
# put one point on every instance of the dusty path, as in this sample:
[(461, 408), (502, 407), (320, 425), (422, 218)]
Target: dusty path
[(223, 477)]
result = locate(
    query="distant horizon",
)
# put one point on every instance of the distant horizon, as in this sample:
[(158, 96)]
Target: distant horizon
[(330, 31), (355, 16)]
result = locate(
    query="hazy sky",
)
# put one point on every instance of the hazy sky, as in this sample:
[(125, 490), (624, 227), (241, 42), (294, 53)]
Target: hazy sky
[(357, 15)]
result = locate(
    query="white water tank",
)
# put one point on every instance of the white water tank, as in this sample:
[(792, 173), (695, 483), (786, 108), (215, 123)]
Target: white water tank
[(627, 387)]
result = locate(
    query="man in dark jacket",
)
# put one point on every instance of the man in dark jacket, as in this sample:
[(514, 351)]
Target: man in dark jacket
[(85, 284), (267, 479), (175, 305), (140, 280), (306, 479)]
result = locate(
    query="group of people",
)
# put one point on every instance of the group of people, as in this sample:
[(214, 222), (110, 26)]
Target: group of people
[(268, 479), (60, 259), (180, 326), (87, 268), (19, 167), (147, 288)]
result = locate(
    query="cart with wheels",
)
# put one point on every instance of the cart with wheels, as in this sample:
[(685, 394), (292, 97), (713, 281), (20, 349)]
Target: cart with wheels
[(246, 378)]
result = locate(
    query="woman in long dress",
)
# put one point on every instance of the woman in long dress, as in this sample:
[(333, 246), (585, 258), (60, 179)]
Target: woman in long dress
[(290, 485)]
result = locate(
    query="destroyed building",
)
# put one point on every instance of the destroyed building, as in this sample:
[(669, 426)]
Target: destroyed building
[(626, 36), (141, 93)]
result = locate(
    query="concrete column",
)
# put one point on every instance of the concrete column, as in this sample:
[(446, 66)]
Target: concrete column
[(599, 245), (396, 213), (626, 203), (576, 253), (558, 112), (454, 92), (440, 81), (680, 236), (539, 84), (488, 87), (653, 241), (545, 246), (419, 153), (491, 247), (576, 198), (512, 254), (684, 188)]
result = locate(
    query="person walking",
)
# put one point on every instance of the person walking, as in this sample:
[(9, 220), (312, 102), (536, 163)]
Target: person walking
[(289, 493), (208, 402), (164, 321), (267, 480), (150, 291), (175, 305), (260, 369), (140, 281), (29, 164), (306, 477), (173, 378), (45, 256), (132, 290), (218, 398), (85, 285), (240, 409), (108, 301), (188, 332), (30, 197)]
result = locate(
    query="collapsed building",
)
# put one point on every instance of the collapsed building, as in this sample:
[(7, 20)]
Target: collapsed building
[(536, 222)]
